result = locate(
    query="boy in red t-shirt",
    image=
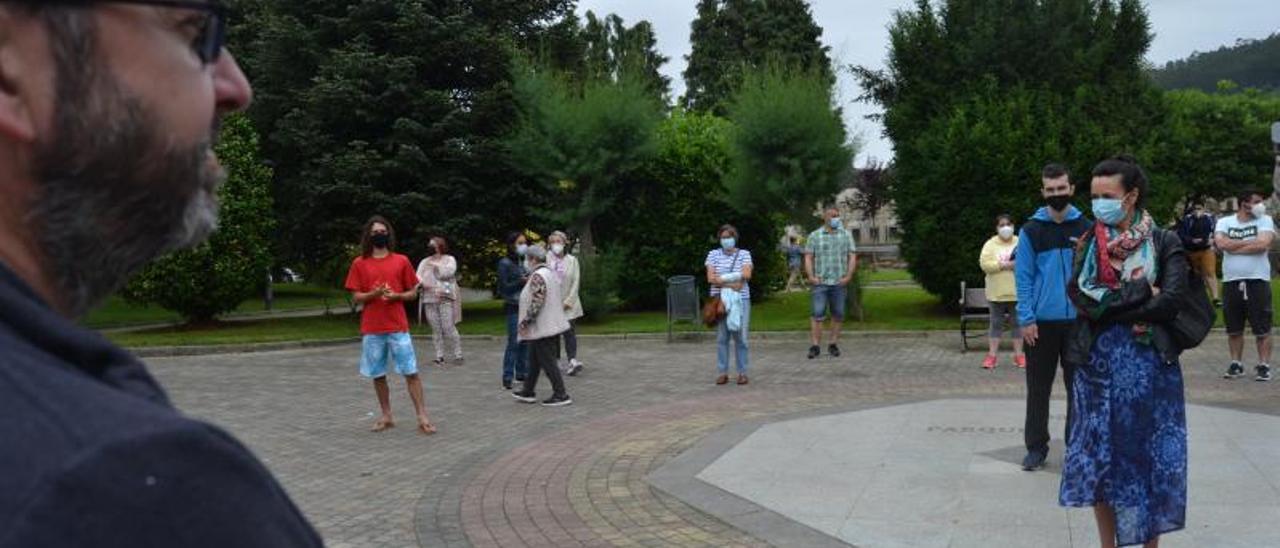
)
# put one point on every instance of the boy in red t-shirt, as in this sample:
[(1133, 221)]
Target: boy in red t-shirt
[(381, 281)]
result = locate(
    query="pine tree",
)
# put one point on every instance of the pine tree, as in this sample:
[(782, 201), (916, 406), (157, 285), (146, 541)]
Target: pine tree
[(980, 94), (613, 51), (395, 107), (730, 36)]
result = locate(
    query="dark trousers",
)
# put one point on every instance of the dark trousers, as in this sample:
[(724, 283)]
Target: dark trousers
[(515, 359), (1042, 366), (542, 359), (570, 342)]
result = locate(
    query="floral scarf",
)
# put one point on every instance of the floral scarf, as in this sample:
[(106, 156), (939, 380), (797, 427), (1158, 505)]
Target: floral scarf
[(1113, 257)]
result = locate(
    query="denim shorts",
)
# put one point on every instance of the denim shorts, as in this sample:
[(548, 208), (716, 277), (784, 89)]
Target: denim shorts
[(829, 297), (373, 358)]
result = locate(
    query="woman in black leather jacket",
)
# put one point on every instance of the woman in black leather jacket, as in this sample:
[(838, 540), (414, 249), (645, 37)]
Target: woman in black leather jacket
[(1127, 449)]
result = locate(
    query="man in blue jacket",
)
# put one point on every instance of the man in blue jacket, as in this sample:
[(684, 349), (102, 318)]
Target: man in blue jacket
[(1042, 267), (108, 115)]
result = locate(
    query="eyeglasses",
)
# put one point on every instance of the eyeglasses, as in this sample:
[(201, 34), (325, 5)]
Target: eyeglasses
[(212, 35)]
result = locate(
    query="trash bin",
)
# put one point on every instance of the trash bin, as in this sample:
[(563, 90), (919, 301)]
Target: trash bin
[(682, 301)]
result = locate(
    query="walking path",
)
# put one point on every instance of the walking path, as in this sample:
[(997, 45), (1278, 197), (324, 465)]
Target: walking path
[(607, 471)]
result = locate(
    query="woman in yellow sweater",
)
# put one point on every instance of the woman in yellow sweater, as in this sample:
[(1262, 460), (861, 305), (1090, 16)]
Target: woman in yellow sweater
[(996, 261)]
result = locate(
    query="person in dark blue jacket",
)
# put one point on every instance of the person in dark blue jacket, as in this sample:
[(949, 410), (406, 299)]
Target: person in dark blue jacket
[(512, 276), (108, 115), (1045, 255), (1196, 232)]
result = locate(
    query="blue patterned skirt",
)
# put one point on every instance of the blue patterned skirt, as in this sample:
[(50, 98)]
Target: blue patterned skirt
[(1128, 445)]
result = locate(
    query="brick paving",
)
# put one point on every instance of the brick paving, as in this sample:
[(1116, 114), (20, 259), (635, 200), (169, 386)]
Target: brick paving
[(506, 474)]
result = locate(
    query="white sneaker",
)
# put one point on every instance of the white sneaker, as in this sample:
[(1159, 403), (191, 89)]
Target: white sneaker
[(575, 367)]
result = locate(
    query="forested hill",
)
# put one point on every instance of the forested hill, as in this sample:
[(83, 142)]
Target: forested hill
[(1248, 63)]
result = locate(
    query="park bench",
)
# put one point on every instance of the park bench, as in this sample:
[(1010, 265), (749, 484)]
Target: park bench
[(973, 309)]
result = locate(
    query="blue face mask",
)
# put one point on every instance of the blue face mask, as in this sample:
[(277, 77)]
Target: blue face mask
[(727, 243), (836, 223), (1108, 211)]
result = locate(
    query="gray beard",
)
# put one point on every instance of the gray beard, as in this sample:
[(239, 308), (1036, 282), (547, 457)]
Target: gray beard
[(113, 196)]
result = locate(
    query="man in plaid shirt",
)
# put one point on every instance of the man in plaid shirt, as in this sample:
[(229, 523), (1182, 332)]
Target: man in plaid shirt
[(830, 260)]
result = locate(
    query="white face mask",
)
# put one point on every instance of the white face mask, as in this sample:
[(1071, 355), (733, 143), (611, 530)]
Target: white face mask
[(1259, 209), (1005, 232), (558, 249)]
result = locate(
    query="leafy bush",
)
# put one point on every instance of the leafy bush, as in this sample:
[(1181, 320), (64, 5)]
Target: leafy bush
[(599, 285), (216, 276), (673, 205)]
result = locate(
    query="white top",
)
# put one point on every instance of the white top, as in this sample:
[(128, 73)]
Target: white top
[(729, 263), (567, 270), (437, 277), (551, 320), (1250, 266)]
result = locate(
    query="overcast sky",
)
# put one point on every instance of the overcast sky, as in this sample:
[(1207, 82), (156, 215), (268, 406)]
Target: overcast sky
[(857, 32)]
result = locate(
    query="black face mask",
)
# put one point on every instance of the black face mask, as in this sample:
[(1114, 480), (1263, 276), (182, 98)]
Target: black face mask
[(1059, 202), (431, 249), (380, 240)]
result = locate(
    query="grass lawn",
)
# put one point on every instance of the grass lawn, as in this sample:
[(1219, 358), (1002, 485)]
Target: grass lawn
[(889, 275), (118, 313), (886, 309)]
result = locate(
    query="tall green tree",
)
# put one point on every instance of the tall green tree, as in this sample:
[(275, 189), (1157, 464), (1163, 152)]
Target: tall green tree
[(613, 50), (216, 276), (979, 94), (788, 147), (397, 107), (731, 36), (578, 141)]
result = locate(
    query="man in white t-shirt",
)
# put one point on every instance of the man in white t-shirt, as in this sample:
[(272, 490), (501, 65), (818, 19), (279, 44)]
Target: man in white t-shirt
[(1245, 239)]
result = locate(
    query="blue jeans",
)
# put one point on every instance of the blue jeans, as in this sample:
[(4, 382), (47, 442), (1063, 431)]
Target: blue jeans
[(829, 297), (739, 339), (516, 358)]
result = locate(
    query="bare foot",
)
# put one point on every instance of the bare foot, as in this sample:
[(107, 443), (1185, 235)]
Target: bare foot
[(425, 427), (382, 424)]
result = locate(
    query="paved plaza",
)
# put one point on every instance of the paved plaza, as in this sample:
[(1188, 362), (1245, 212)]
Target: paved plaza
[(903, 441)]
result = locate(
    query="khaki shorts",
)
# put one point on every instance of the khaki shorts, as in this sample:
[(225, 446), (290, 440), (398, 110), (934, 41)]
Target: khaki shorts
[(1203, 262)]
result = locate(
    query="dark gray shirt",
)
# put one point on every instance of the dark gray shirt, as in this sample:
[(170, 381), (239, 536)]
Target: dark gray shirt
[(93, 454)]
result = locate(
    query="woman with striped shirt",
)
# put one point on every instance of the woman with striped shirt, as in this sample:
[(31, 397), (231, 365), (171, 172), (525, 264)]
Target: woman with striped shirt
[(728, 274)]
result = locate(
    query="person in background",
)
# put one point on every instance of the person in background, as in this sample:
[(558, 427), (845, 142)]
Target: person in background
[(1045, 253), (381, 280), (440, 301), (565, 266), (728, 273), (795, 262), (1245, 240), (997, 260), (542, 321), (830, 260), (511, 279), (1196, 232)]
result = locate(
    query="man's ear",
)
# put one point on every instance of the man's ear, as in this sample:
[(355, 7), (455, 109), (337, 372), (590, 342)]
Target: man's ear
[(17, 122)]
